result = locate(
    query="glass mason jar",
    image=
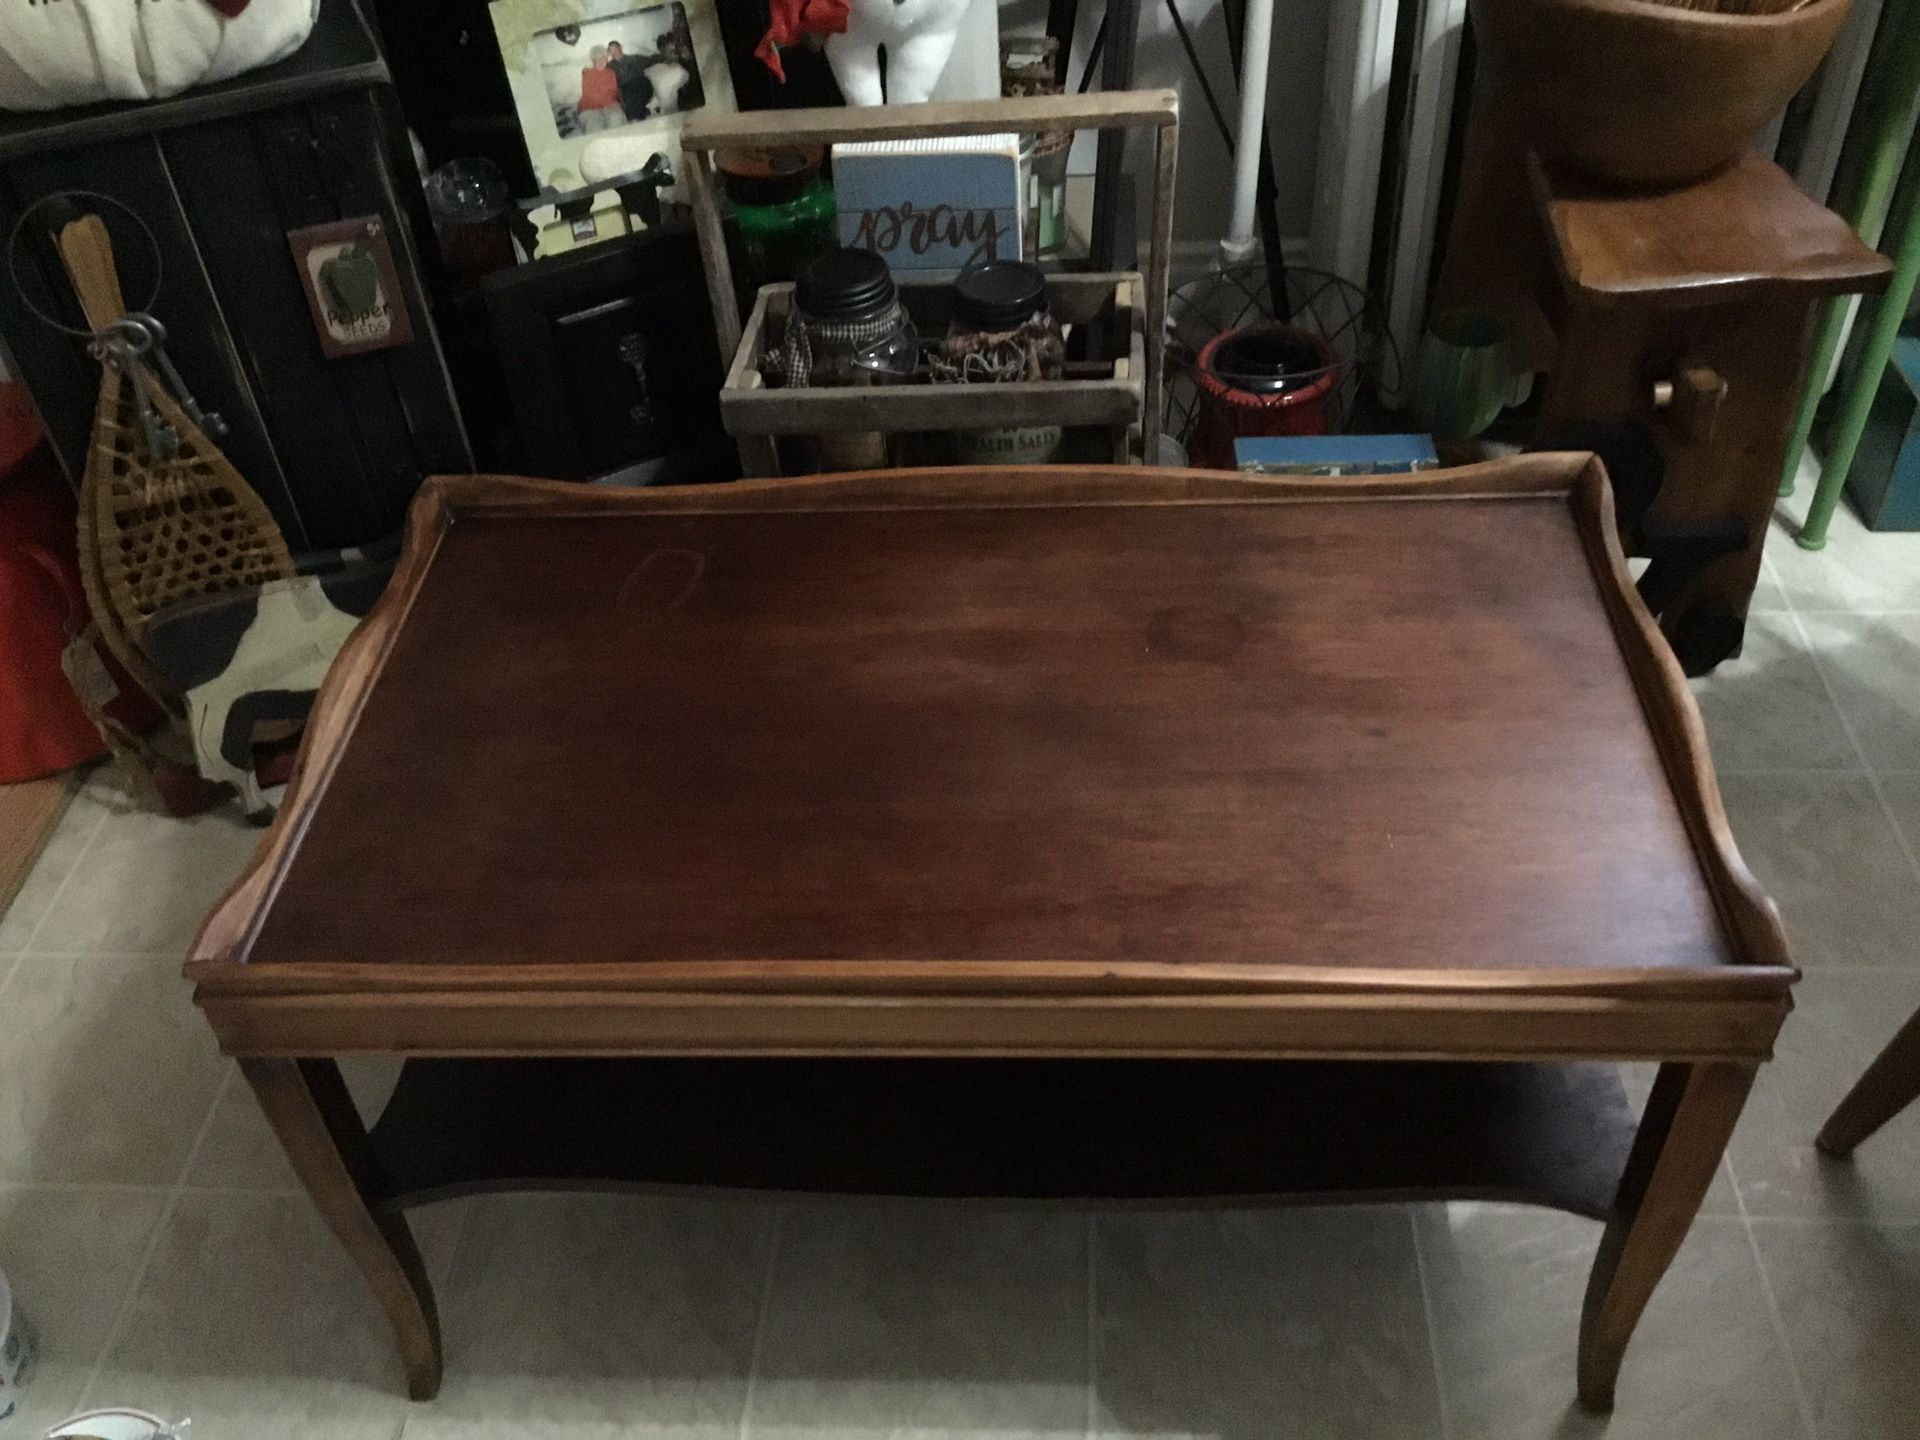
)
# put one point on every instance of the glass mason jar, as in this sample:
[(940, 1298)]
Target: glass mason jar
[(848, 327), (1003, 332)]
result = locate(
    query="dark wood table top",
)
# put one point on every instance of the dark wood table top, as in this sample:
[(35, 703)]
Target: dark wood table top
[(1096, 724)]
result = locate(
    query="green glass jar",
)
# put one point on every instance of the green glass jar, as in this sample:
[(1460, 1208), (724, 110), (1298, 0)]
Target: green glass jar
[(784, 205)]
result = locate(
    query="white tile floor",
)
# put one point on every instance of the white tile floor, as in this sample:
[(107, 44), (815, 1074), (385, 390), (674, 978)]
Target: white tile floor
[(156, 1240)]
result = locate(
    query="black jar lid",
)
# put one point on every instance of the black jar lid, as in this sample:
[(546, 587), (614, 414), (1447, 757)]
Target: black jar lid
[(769, 175), (999, 294), (844, 285)]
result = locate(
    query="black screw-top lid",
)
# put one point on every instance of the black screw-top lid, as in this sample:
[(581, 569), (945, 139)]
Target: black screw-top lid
[(844, 285), (1267, 359), (999, 294)]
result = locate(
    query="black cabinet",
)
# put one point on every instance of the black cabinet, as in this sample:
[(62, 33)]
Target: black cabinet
[(219, 176)]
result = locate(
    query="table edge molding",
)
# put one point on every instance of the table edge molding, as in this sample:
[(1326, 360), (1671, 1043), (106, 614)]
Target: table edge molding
[(1748, 914)]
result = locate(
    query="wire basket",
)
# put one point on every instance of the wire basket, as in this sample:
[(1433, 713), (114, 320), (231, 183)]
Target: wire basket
[(1339, 315)]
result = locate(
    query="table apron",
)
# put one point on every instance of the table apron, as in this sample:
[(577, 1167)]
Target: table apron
[(1290, 1026)]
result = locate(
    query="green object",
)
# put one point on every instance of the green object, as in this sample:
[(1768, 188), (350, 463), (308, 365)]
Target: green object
[(1856, 403), (352, 278), (1463, 375), (784, 205), (1885, 108)]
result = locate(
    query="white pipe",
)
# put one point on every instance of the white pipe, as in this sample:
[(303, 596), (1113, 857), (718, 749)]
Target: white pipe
[(1238, 246)]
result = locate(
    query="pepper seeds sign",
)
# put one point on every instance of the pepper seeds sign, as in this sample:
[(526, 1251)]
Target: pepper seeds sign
[(347, 270)]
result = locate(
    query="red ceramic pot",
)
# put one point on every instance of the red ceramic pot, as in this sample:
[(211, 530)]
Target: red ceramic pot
[(1264, 379)]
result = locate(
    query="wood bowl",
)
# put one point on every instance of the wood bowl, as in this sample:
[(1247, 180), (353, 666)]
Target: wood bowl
[(1643, 93)]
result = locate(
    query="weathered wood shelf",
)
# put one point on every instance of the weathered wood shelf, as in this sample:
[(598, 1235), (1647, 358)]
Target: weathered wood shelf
[(1110, 397), (1038, 1130)]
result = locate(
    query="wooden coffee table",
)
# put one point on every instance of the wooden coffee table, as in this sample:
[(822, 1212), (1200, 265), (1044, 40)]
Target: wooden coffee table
[(1049, 835)]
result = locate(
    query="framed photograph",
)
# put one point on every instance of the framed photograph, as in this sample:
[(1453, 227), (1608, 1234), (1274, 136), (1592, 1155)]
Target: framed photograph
[(354, 292), (602, 86)]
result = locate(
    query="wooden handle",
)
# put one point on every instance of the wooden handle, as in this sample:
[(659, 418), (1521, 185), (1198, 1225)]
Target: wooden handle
[(87, 253), (1118, 109)]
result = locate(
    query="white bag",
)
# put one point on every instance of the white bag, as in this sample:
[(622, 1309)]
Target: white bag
[(76, 52)]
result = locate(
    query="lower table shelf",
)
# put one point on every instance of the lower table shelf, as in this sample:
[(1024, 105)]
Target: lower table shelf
[(1064, 1130)]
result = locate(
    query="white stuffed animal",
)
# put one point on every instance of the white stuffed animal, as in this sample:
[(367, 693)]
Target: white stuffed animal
[(668, 78), (918, 36)]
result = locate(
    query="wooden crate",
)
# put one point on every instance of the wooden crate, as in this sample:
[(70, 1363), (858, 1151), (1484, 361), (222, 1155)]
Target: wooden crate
[(1099, 401), (1111, 406)]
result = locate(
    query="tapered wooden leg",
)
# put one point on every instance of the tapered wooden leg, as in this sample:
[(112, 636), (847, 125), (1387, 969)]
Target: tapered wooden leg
[(1889, 1085), (307, 1104), (1682, 1137)]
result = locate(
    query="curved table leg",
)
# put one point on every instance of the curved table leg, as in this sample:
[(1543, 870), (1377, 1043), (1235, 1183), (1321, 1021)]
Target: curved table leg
[(1888, 1086), (307, 1104), (1683, 1134)]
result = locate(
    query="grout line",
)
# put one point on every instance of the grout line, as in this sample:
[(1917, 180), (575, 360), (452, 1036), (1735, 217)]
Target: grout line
[(60, 890), (170, 952), (1433, 1331), (1823, 1222), (443, 1282), (1846, 727), (760, 1321), (1800, 1401), (1093, 1324), (122, 1316), (85, 1187), (1829, 772), (1891, 967)]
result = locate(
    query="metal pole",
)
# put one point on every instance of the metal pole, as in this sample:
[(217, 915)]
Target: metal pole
[(1887, 111), (1123, 38), (1889, 310)]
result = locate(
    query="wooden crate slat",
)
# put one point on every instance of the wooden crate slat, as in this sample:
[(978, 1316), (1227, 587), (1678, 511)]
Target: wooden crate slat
[(1157, 108), (748, 408)]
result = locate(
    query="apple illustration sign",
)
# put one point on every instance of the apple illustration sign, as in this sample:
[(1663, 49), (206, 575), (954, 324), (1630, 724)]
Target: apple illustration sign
[(351, 286)]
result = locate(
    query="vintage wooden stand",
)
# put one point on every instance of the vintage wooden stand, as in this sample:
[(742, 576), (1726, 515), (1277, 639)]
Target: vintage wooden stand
[(1688, 314), (1680, 317), (1115, 404)]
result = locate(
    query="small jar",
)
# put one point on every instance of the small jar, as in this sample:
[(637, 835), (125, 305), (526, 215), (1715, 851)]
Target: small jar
[(1003, 332), (784, 206), (469, 202), (847, 327)]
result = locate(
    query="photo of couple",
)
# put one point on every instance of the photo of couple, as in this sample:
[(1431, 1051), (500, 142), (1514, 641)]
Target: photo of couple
[(619, 71)]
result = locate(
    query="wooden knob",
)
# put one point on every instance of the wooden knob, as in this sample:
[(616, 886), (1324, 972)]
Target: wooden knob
[(1691, 402)]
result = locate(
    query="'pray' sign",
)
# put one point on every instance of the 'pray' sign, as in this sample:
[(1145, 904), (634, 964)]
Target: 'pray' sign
[(931, 205)]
